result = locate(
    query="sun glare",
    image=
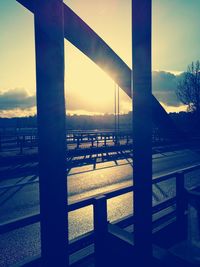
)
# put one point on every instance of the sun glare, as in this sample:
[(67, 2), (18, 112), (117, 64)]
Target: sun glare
[(88, 88)]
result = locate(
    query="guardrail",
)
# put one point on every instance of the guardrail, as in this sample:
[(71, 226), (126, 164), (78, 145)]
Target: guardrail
[(177, 201), (75, 139)]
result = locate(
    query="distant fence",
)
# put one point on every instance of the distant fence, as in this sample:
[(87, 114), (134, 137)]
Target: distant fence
[(74, 139)]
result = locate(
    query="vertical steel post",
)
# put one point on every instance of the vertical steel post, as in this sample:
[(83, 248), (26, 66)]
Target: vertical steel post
[(115, 96), (142, 130), (100, 230), (49, 42), (118, 109), (0, 142), (180, 204), (115, 107)]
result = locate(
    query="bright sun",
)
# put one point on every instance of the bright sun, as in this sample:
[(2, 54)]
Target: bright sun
[(88, 88)]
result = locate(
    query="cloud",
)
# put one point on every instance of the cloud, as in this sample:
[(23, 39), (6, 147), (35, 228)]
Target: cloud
[(169, 98), (17, 102), (164, 86), (16, 99), (17, 112), (174, 109)]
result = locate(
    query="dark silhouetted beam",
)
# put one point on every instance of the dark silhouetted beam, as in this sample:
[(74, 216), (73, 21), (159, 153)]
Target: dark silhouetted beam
[(49, 43), (86, 40), (142, 131)]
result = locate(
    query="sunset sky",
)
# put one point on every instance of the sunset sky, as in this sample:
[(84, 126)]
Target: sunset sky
[(88, 89)]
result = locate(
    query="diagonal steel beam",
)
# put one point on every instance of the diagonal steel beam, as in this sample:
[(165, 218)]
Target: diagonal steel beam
[(86, 40), (92, 45)]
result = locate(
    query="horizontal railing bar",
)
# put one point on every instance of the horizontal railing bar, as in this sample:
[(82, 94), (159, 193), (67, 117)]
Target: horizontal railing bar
[(81, 241), (190, 169), (18, 185), (119, 192), (15, 224), (162, 220), (158, 179), (163, 205), (25, 221), (89, 201), (19, 223), (161, 178), (68, 132), (80, 204)]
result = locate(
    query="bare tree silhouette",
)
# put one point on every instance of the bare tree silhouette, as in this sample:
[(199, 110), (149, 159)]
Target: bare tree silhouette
[(188, 89)]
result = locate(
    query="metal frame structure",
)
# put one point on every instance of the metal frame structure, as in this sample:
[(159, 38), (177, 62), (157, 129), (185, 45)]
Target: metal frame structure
[(77, 32), (53, 22)]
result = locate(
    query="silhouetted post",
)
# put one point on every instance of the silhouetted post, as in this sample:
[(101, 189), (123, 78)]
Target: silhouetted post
[(92, 141), (127, 139), (180, 202), (100, 230), (49, 42), (17, 140), (31, 141), (0, 142), (21, 145), (105, 139), (97, 139), (78, 142), (142, 130), (81, 137)]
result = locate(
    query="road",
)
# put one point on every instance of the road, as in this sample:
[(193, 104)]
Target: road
[(84, 182)]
